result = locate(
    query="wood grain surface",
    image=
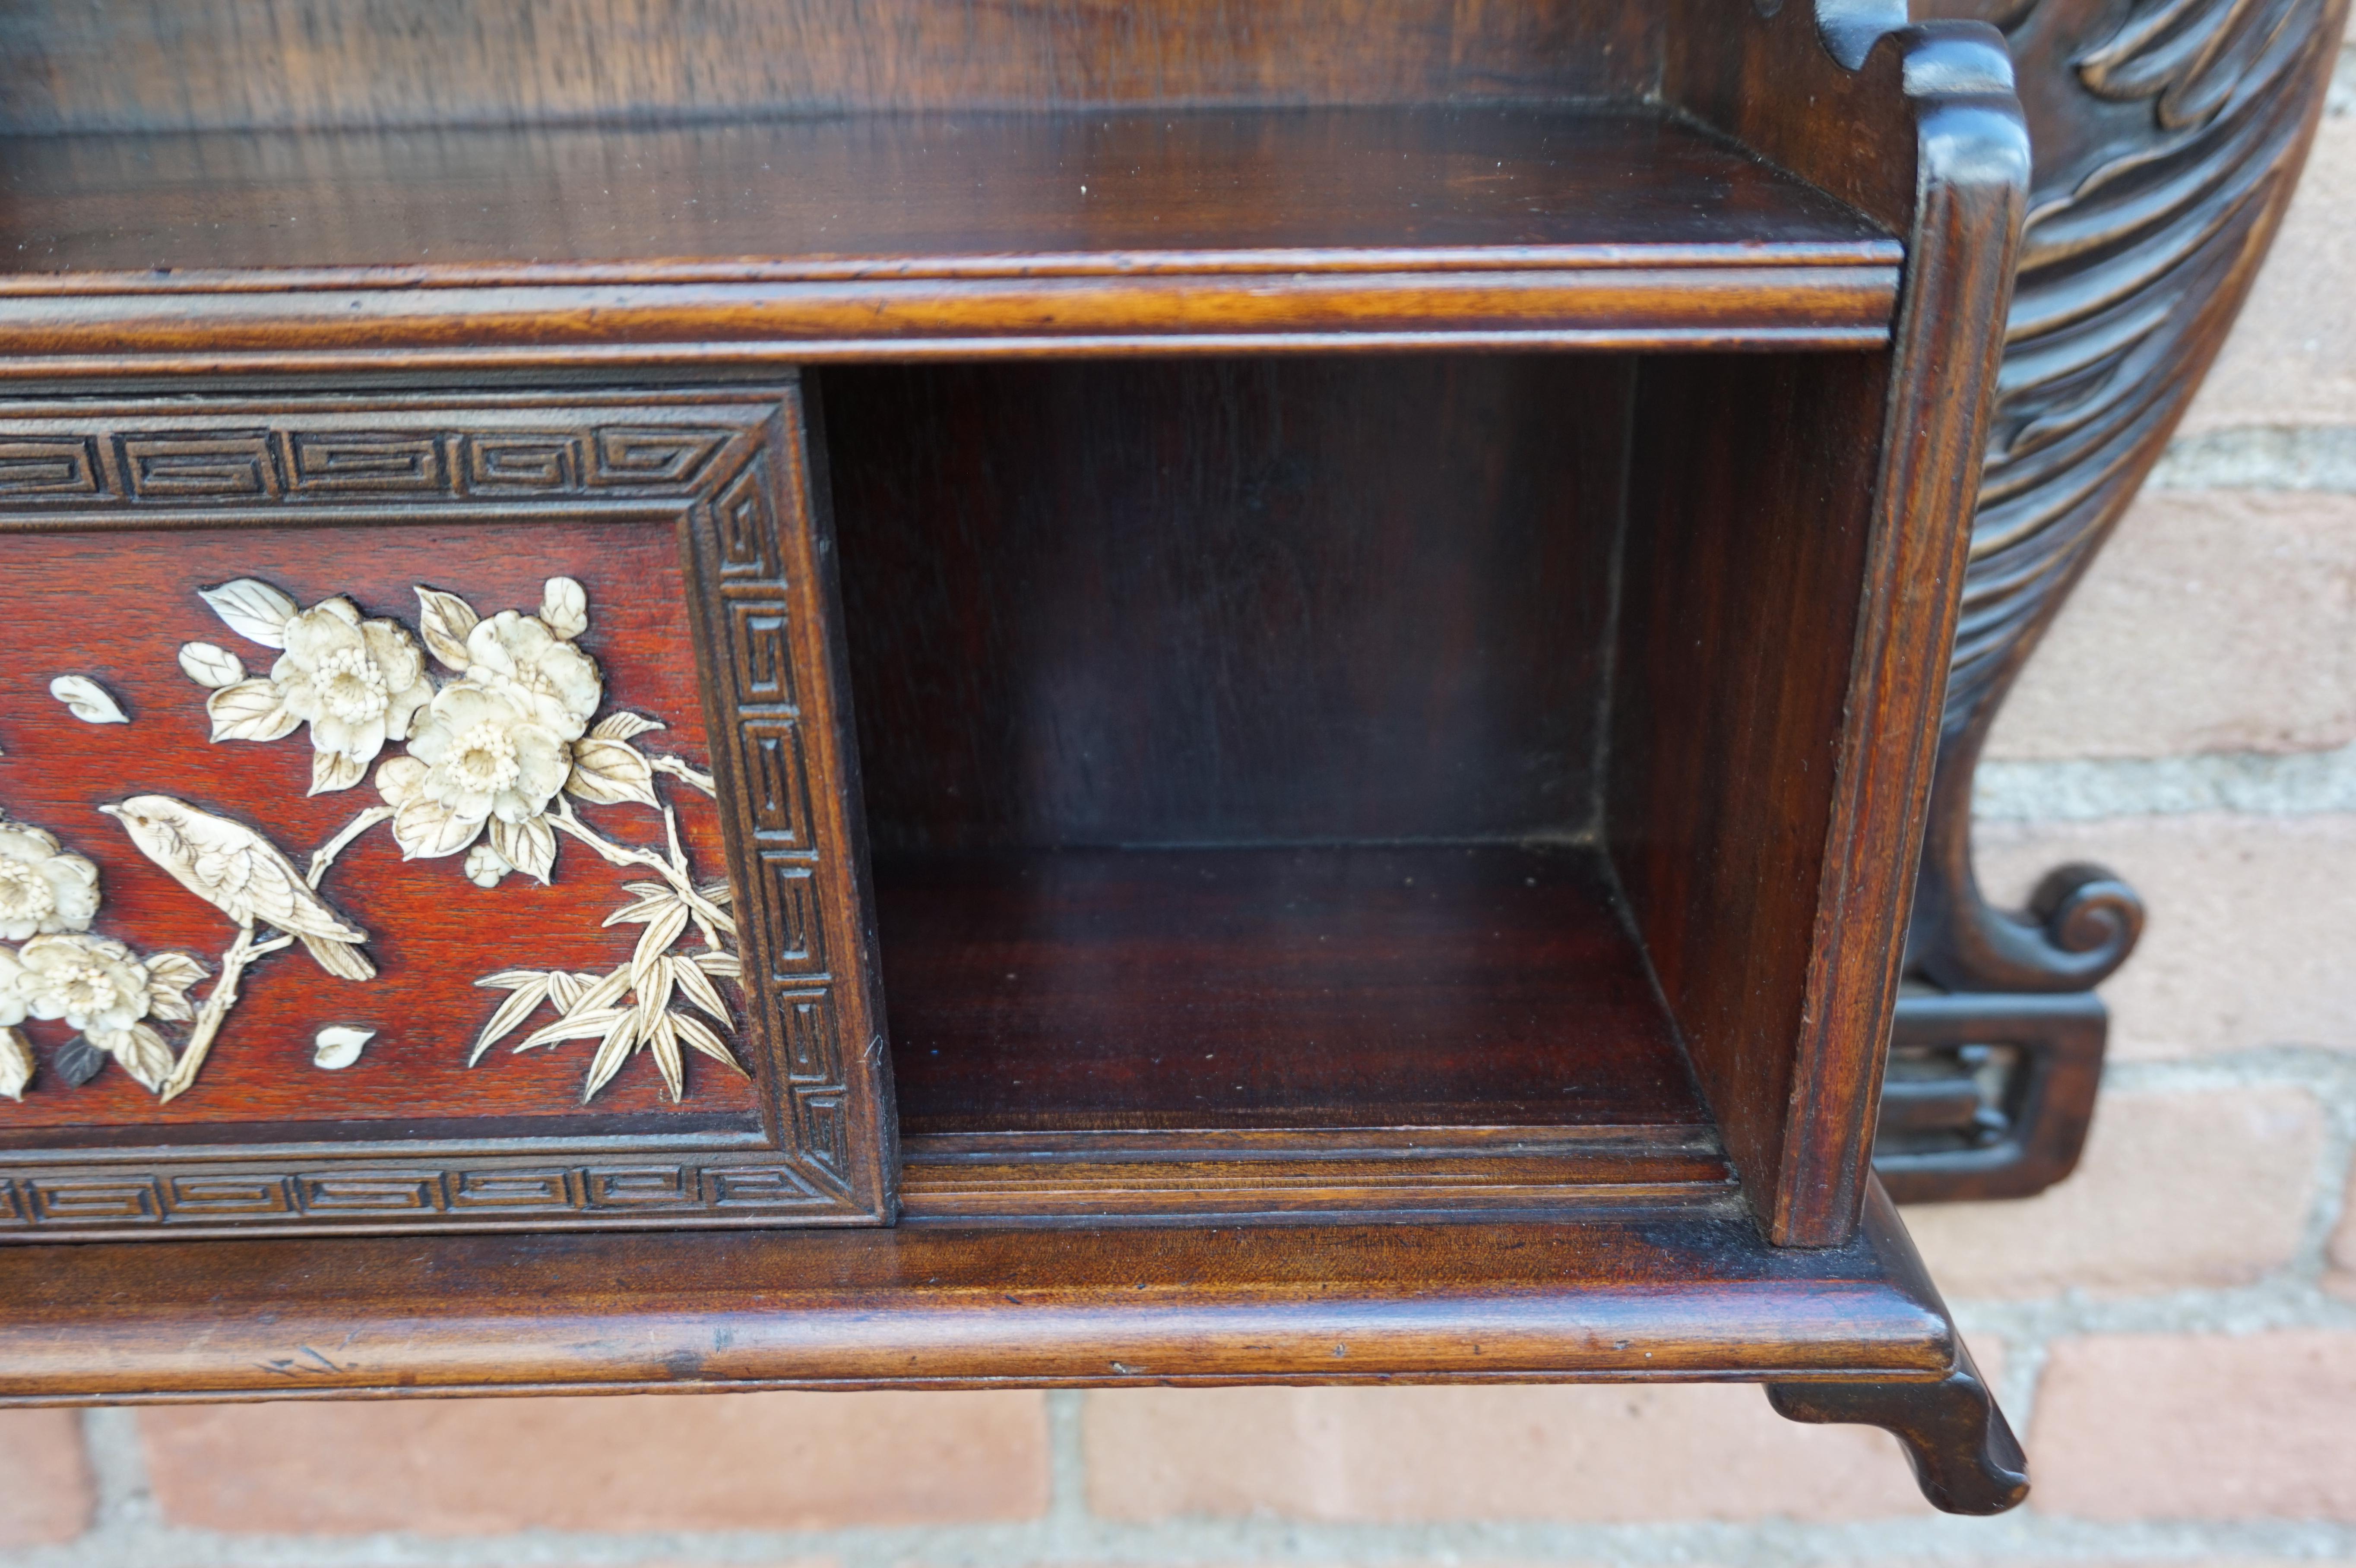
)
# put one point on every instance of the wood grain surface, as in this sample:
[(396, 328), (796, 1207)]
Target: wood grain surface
[(181, 64), (923, 196), (1001, 232), (1333, 986), (1237, 602), (1679, 1292)]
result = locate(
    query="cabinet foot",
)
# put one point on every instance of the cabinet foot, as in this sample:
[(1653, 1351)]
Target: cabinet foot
[(1965, 1455)]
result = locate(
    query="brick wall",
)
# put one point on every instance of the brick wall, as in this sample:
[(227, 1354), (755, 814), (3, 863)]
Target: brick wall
[(2174, 1330)]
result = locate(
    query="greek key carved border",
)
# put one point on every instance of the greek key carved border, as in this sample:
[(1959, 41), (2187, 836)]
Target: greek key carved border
[(728, 465)]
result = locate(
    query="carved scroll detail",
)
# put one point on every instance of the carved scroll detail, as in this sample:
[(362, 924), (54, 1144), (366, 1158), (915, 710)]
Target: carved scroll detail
[(2131, 272)]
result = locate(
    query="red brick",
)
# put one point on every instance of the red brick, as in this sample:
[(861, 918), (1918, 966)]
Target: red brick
[(2204, 1187), (2198, 1426), (760, 1461), (2292, 357), (1620, 1453), (2251, 919), (48, 1497), (2215, 621)]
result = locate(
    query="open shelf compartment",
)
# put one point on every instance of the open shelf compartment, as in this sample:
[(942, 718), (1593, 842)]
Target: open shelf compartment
[(1254, 753)]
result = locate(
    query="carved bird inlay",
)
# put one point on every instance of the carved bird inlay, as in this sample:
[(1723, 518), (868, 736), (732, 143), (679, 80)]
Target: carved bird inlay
[(239, 873)]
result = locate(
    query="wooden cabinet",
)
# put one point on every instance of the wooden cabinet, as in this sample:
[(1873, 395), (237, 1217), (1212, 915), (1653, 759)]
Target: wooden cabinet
[(736, 697)]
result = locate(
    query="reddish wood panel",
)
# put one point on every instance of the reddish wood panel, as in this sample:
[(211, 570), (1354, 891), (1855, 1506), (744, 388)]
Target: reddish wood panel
[(1339, 987), (117, 605)]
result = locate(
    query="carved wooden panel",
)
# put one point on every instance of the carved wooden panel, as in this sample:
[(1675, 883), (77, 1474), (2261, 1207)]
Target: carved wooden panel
[(421, 812), (2168, 136)]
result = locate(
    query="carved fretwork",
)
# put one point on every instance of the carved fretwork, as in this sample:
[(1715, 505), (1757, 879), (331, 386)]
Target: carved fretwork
[(2168, 141)]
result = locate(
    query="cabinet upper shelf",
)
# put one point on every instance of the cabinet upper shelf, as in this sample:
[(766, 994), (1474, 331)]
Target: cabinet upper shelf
[(938, 233)]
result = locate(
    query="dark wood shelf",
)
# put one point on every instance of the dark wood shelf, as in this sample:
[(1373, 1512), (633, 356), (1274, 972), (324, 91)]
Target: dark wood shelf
[(1329, 1029), (1691, 1293), (1624, 227), (1342, 986)]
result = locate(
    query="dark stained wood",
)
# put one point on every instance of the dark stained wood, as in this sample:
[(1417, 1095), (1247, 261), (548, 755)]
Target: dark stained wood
[(1842, 743), (1311, 625), (188, 64), (2166, 155), (1750, 509), (1318, 988), (2161, 176), (968, 194), (687, 516), (1295, 1173), (1948, 1134), (1962, 1450), (1230, 603), (1681, 1293), (965, 234)]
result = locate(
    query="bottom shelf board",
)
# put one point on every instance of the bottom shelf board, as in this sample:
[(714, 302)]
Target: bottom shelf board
[(1687, 1294), (1341, 986)]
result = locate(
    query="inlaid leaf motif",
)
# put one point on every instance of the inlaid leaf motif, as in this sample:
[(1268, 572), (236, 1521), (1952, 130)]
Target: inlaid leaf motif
[(529, 846), (338, 1046), (662, 1040), (444, 620), (526, 988), (250, 710), (87, 700), (599, 991), (332, 770), (77, 1060), (611, 772), (253, 610), (564, 608), (212, 666), (696, 1035), (141, 1051), (427, 829), (612, 1052), (576, 1026), (15, 1063), (623, 726), (653, 943), (689, 977)]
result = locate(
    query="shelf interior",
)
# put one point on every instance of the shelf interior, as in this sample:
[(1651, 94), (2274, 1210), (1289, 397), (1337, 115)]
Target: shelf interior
[(1337, 987), (934, 194)]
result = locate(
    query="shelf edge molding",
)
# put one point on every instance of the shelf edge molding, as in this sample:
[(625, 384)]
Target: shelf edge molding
[(1822, 307), (1631, 1295)]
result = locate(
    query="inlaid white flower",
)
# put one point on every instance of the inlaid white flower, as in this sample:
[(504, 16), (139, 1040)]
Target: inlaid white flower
[(14, 1004), (476, 758), (358, 683), (518, 657), (93, 983), (43, 888)]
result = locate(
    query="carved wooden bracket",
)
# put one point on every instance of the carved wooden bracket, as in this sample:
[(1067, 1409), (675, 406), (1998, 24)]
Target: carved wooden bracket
[(2168, 143)]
